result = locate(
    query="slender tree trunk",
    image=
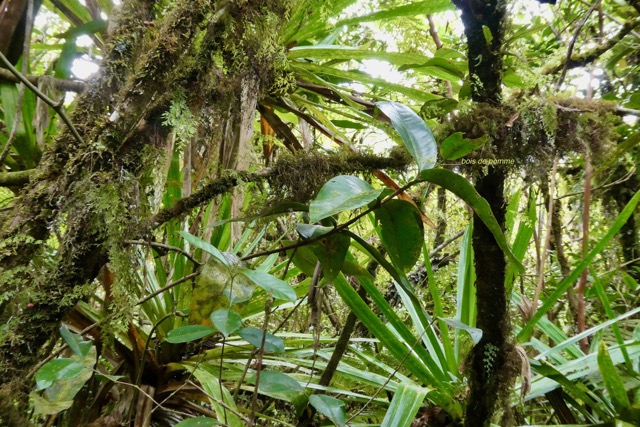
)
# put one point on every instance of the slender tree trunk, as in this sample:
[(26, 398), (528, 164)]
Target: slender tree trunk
[(489, 372)]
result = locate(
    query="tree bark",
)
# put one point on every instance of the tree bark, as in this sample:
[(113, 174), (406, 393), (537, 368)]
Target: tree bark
[(90, 186), (490, 376)]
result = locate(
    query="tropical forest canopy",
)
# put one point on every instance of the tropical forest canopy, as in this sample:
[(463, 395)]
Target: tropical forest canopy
[(306, 213)]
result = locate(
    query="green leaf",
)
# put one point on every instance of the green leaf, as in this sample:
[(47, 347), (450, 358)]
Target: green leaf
[(226, 321), (456, 146), (438, 107), (442, 68), (219, 286), (278, 383), (612, 380), (414, 132), (272, 285), (337, 52), (413, 9), (272, 343), (340, 194), (61, 394), (405, 404), (402, 232), (75, 342), (562, 287), (488, 37), (55, 370), (513, 79), (207, 247), (199, 422), (217, 394), (463, 189), (188, 333), (330, 407), (474, 333), (330, 251), (348, 124), (354, 76)]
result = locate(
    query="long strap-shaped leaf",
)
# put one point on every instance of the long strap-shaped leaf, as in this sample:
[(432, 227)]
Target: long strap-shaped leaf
[(459, 186), (562, 287)]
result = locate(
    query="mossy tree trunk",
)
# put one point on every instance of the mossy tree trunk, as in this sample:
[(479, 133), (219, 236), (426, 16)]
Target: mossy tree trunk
[(90, 183), (490, 376)]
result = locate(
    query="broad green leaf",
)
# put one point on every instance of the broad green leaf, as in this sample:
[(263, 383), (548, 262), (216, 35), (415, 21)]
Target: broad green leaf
[(562, 287), (330, 250), (340, 194), (612, 380), (188, 333), (513, 79), (278, 383), (330, 407), (55, 370), (488, 37), (61, 394), (199, 422), (312, 231), (405, 404), (226, 321), (254, 336), (463, 189), (272, 285), (414, 132), (456, 146), (75, 342), (348, 124), (402, 232), (207, 247)]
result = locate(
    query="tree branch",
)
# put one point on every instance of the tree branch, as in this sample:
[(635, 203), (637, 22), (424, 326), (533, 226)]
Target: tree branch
[(581, 59), (16, 179), (352, 163), (60, 84), (55, 105)]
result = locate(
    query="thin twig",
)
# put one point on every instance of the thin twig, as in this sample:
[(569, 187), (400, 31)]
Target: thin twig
[(57, 106), (167, 287), (547, 240), (254, 399), (25, 65), (60, 84), (582, 284), (572, 43), (164, 246)]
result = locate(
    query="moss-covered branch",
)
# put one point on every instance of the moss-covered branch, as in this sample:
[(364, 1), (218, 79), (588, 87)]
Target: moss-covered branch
[(292, 177), (15, 179)]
